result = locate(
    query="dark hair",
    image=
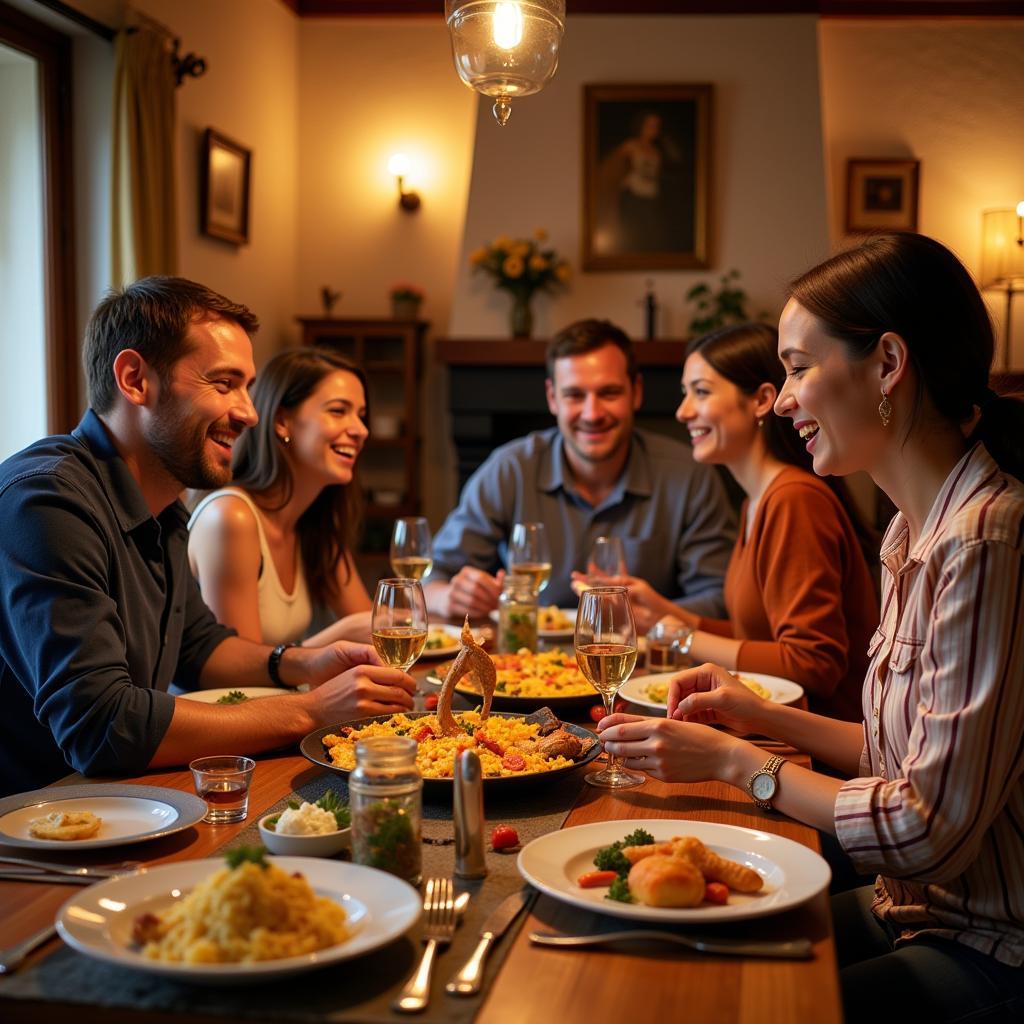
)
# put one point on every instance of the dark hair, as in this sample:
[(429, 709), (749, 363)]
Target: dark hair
[(329, 528), (151, 316), (747, 355), (915, 287), (587, 336)]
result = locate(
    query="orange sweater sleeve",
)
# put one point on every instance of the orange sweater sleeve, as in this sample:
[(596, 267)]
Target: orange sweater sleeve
[(799, 562)]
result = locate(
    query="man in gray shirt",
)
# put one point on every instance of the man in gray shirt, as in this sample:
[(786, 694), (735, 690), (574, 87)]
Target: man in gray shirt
[(595, 474)]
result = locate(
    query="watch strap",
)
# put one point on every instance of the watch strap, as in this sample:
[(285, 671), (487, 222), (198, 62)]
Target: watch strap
[(770, 767), (274, 664)]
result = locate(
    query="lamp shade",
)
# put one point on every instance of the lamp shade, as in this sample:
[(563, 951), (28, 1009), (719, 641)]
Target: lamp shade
[(1002, 251)]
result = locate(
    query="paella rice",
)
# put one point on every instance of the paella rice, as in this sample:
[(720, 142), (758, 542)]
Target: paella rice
[(658, 692), (526, 674), (435, 754)]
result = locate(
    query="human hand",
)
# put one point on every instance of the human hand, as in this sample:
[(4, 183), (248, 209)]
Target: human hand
[(709, 694), (323, 663), (473, 592), (669, 750), (647, 604), (362, 692)]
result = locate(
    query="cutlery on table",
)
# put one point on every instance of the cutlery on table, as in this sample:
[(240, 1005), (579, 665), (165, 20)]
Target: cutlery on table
[(794, 949), (11, 958), (467, 981), (439, 907), (49, 877), (86, 871)]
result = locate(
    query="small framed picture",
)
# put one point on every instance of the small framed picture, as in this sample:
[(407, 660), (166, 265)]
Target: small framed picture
[(224, 195), (881, 195)]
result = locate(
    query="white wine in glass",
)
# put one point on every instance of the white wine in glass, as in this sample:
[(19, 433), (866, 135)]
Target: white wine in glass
[(410, 548), (529, 554), (399, 622), (606, 649)]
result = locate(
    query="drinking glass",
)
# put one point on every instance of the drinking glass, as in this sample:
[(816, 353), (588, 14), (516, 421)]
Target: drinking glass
[(410, 548), (399, 622), (530, 555), (223, 782), (607, 558), (606, 654)]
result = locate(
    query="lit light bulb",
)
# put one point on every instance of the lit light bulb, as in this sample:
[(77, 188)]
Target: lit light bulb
[(1020, 208), (398, 166), (508, 25)]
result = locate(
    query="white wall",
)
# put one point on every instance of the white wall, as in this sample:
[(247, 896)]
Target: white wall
[(768, 213), (22, 312), (951, 94)]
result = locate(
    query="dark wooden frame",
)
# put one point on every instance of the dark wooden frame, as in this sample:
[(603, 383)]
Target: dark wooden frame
[(52, 50), (657, 98), (859, 216), (214, 140)]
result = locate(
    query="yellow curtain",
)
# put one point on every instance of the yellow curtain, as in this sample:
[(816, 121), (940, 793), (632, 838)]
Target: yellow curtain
[(144, 224)]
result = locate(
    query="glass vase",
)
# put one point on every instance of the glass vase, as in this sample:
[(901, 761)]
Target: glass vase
[(521, 316)]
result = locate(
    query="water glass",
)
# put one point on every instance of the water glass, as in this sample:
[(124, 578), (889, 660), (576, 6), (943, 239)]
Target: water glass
[(607, 558), (664, 640), (223, 782)]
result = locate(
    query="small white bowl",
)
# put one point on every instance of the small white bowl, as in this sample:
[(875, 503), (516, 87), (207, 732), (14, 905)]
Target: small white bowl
[(325, 845)]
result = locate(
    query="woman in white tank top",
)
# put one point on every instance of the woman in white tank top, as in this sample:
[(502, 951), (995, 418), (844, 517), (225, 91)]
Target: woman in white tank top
[(279, 541)]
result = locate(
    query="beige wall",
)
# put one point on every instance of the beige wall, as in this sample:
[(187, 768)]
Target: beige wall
[(768, 215), (949, 93)]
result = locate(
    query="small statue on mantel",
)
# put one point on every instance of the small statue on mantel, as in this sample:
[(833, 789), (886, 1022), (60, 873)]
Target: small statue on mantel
[(328, 298), (650, 304)]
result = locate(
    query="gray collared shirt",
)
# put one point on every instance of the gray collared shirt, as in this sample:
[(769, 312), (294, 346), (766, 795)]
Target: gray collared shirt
[(671, 513)]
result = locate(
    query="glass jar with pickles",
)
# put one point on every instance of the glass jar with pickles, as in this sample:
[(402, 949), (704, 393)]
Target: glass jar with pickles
[(517, 614)]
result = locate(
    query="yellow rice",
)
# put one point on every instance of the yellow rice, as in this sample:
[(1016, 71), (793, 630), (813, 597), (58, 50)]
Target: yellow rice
[(658, 692), (435, 756), (525, 674)]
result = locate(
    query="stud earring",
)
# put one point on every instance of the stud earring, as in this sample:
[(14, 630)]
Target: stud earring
[(885, 409), (760, 422), (285, 438)]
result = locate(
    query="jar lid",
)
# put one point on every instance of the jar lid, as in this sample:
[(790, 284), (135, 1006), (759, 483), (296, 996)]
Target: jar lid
[(385, 751)]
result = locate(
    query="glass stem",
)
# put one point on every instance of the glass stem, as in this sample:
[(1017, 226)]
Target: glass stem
[(614, 760)]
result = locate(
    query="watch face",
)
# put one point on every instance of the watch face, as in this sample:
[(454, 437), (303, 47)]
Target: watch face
[(763, 786)]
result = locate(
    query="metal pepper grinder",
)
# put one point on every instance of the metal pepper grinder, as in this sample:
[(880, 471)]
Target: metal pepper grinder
[(468, 808)]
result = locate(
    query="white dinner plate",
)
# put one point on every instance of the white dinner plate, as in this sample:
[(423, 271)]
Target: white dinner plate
[(792, 873), (98, 921), (783, 691), (252, 692), (454, 631), (131, 814), (551, 634)]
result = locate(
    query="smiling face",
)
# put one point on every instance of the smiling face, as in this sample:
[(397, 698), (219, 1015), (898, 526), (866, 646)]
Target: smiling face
[(594, 401), (204, 405), (831, 399), (327, 429), (721, 420)]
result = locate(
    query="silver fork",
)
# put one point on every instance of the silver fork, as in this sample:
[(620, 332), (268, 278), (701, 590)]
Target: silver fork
[(439, 907), (84, 871), (11, 958)]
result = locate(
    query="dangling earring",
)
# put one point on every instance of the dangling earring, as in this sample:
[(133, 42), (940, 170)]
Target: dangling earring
[(885, 409)]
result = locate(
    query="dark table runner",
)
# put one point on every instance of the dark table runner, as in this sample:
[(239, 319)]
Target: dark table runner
[(360, 989)]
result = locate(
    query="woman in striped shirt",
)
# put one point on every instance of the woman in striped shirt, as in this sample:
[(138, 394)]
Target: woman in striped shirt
[(887, 349)]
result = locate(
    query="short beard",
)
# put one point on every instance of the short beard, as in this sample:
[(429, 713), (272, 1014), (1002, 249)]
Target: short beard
[(180, 448)]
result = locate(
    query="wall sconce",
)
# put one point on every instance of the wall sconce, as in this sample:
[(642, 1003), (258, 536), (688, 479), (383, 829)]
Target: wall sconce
[(1002, 261), (399, 166)]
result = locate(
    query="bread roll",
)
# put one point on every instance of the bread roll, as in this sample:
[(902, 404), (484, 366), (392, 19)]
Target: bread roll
[(661, 881)]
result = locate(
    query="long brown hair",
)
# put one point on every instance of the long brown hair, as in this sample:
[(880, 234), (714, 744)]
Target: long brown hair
[(329, 529), (747, 355), (915, 287)]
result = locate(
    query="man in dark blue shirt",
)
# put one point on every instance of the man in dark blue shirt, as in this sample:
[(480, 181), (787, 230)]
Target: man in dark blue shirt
[(99, 612)]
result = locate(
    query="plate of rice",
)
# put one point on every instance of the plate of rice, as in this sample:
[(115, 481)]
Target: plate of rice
[(527, 680), (509, 746), (652, 691), (207, 922)]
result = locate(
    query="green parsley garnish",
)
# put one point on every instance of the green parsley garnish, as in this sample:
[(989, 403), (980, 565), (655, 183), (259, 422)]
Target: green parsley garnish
[(331, 802), (232, 697), (619, 890), (242, 854), (610, 858)]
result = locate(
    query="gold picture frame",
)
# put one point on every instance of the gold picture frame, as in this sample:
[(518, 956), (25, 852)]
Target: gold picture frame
[(224, 194), (647, 176), (882, 195)]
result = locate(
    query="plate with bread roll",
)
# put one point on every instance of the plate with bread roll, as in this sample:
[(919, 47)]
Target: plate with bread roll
[(673, 870)]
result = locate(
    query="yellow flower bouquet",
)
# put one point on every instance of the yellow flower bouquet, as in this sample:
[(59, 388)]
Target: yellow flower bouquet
[(522, 266)]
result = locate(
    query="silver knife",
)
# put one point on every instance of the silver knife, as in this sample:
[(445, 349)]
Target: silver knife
[(467, 981)]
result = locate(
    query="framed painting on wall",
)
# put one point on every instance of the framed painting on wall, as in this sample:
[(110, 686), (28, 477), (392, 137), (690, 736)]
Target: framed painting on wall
[(646, 176), (224, 195), (881, 195)]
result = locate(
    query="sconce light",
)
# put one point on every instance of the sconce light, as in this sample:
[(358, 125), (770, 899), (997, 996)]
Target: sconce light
[(1002, 261), (505, 49), (399, 165)]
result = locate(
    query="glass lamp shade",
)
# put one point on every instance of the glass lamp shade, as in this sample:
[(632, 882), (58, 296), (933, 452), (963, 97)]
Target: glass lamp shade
[(1002, 251), (505, 48)]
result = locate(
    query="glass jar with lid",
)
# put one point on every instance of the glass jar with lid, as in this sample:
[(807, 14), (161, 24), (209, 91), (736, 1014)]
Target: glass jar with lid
[(386, 797), (517, 614)]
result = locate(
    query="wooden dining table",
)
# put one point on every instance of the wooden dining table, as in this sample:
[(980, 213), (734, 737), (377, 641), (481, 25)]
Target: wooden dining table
[(626, 982)]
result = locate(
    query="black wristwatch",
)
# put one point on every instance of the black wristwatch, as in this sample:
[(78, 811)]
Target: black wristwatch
[(274, 663)]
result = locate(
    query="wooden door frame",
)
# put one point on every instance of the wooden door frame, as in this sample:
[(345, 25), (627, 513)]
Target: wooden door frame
[(52, 50)]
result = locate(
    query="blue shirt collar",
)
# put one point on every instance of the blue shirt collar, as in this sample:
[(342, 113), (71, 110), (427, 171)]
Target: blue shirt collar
[(636, 478)]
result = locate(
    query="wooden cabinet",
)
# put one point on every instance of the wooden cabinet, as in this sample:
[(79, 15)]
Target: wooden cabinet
[(389, 352)]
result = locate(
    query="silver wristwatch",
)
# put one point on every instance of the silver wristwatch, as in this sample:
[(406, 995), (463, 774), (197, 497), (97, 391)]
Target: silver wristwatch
[(764, 783)]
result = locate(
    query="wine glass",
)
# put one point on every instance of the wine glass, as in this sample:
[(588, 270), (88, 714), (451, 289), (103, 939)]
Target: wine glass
[(399, 622), (607, 558), (606, 654), (529, 554), (410, 548)]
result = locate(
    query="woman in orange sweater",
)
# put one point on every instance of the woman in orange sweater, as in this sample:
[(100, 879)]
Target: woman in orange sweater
[(798, 591)]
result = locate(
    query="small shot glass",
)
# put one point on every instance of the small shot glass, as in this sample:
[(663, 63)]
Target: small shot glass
[(223, 782), (664, 641)]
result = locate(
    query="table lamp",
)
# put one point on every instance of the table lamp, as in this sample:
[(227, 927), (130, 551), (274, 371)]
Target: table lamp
[(1002, 261)]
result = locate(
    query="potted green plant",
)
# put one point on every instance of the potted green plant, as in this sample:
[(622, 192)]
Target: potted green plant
[(406, 300), (727, 305)]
